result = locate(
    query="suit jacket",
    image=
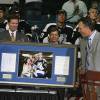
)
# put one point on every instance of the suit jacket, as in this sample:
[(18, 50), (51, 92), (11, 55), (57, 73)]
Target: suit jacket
[(5, 36), (94, 52)]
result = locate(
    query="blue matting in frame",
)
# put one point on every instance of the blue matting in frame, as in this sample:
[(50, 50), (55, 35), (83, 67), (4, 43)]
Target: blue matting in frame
[(44, 60)]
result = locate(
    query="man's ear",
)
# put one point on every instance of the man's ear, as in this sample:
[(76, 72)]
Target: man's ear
[(48, 36)]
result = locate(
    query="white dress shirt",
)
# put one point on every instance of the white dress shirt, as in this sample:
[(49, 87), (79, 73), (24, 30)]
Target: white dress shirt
[(92, 37), (14, 33)]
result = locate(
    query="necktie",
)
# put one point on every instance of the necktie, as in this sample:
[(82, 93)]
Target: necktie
[(89, 43), (12, 37), (88, 53)]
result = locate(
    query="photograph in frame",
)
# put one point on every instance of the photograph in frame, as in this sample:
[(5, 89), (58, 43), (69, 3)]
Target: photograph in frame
[(35, 64)]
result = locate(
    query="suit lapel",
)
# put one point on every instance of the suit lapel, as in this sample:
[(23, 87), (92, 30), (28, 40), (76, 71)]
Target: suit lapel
[(94, 42), (83, 48), (17, 36), (8, 35)]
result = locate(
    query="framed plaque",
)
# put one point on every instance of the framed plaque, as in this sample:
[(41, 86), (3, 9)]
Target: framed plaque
[(37, 64)]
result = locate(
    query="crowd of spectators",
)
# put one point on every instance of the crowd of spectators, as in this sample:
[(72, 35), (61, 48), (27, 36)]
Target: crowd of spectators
[(66, 22)]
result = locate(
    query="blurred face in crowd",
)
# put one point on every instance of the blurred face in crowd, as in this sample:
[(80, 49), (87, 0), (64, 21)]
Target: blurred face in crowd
[(61, 18), (13, 24), (53, 37), (84, 30), (93, 13), (1, 14), (98, 18)]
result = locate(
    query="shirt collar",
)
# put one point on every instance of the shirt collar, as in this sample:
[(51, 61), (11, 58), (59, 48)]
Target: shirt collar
[(12, 32), (92, 36)]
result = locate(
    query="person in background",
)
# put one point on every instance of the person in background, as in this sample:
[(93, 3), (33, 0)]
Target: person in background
[(23, 25), (92, 14), (3, 20), (65, 31), (95, 16), (12, 34), (53, 35), (95, 4), (75, 10), (98, 23), (90, 49)]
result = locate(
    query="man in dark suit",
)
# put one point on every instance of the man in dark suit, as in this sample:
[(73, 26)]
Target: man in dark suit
[(12, 34), (90, 48)]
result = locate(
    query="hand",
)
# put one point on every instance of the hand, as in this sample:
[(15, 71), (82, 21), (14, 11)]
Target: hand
[(76, 85), (82, 70)]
